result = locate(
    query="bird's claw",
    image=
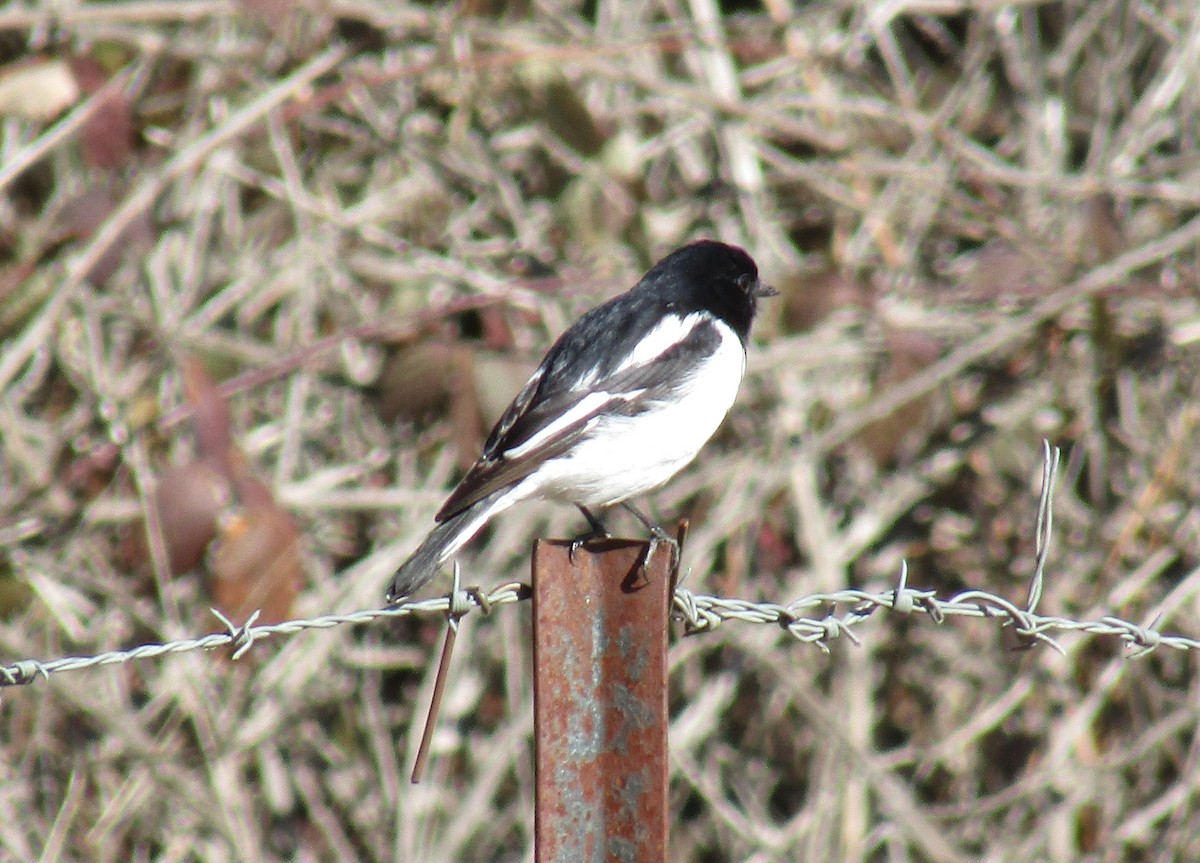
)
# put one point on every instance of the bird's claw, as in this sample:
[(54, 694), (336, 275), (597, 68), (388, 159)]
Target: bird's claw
[(583, 539), (658, 537), (657, 534), (596, 530)]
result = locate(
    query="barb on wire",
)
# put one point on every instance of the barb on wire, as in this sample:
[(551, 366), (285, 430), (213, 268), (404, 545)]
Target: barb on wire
[(1045, 521)]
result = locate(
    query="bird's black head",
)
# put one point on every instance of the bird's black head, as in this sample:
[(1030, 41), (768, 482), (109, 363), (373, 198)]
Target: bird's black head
[(713, 276)]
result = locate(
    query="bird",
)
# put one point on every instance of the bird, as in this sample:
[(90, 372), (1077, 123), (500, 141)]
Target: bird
[(623, 400)]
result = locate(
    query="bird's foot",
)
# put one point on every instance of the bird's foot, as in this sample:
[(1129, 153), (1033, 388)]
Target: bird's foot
[(658, 536), (596, 530)]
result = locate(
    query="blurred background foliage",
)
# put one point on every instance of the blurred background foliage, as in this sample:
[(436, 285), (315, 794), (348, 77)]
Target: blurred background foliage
[(269, 270)]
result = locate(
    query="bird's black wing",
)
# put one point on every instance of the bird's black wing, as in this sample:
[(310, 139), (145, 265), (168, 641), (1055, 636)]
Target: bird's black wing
[(584, 355), (547, 418)]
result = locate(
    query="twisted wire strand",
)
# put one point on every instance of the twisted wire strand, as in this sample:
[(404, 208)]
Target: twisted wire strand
[(814, 619)]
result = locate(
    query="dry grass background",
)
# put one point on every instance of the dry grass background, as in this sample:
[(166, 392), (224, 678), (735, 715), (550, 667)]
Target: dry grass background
[(367, 220)]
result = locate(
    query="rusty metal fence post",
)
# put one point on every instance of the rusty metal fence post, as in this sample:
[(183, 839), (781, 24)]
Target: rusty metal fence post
[(600, 701)]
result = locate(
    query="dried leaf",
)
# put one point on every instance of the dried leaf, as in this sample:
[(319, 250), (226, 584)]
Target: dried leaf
[(809, 298), (908, 353), (108, 136), (255, 564), (82, 216), (417, 381), (37, 90), (210, 412), (189, 500), (997, 271)]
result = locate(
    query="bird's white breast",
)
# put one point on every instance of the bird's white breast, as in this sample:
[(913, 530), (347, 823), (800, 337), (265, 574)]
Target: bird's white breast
[(626, 456)]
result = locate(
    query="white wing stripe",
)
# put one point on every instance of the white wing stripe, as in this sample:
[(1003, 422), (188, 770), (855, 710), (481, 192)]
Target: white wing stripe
[(589, 404), (667, 333)]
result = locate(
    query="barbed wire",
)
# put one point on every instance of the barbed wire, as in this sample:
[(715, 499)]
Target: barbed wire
[(802, 618), (698, 612)]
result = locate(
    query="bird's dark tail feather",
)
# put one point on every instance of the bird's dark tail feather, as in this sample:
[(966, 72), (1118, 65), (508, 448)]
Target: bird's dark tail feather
[(442, 542)]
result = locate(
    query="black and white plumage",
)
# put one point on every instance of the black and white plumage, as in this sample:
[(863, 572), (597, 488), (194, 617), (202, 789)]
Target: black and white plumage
[(624, 399)]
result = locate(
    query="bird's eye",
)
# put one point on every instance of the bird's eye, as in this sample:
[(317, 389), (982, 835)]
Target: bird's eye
[(745, 281)]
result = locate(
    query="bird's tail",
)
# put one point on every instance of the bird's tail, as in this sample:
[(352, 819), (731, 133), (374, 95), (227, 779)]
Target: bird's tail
[(443, 541)]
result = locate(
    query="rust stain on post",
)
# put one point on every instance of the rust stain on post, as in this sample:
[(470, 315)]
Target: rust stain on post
[(600, 702)]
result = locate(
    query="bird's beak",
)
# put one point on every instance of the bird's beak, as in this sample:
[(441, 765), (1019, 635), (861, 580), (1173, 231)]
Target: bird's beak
[(762, 289)]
